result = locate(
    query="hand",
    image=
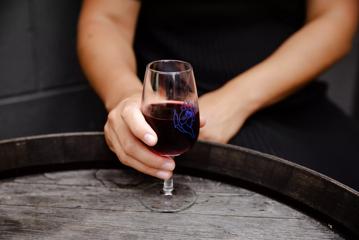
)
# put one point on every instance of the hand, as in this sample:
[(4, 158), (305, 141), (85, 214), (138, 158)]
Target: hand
[(127, 134), (223, 116)]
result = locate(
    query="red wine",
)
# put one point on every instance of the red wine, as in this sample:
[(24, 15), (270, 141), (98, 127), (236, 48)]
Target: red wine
[(176, 125)]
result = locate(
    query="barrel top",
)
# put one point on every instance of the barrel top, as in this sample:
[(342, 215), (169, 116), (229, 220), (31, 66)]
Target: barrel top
[(47, 196), (103, 204)]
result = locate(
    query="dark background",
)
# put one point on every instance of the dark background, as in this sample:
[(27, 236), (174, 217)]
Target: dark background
[(42, 89)]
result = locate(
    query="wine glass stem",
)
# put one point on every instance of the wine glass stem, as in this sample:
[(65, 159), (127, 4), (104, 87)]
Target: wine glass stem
[(168, 187)]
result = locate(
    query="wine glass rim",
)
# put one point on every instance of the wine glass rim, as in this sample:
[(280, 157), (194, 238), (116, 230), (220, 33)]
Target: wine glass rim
[(169, 72)]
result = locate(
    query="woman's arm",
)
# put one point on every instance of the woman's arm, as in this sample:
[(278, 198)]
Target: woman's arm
[(105, 37), (106, 31), (325, 38)]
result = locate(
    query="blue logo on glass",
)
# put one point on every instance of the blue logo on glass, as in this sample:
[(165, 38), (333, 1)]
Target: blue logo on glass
[(183, 121)]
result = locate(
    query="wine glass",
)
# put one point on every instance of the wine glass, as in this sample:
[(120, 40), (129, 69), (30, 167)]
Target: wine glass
[(170, 107)]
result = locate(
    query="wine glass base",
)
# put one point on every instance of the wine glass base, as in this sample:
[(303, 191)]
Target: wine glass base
[(153, 198)]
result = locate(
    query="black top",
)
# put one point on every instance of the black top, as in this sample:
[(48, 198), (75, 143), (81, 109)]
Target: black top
[(220, 39), (226, 38)]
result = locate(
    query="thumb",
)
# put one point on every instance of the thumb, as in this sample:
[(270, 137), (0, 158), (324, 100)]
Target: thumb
[(137, 124)]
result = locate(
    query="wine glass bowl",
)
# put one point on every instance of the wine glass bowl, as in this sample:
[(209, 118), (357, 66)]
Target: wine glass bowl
[(176, 125)]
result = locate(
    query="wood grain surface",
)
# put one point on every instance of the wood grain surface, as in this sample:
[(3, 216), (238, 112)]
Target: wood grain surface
[(330, 201), (103, 204)]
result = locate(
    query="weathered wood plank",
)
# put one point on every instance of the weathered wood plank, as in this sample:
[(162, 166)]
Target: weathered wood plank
[(77, 205), (52, 223), (118, 177), (212, 200)]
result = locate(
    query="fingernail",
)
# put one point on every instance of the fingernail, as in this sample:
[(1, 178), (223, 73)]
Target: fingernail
[(149, 139), (168, 166), (163, 175)]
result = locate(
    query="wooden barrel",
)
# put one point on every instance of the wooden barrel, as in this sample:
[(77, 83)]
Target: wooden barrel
[(242, 194)]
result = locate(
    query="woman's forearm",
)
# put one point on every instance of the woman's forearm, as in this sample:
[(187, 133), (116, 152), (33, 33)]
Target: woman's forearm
[(324, 39), (105, 51)]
